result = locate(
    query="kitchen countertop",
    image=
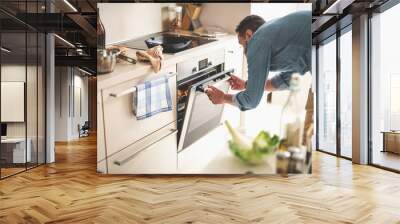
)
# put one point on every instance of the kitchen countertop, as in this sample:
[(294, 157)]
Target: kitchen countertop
[(222, 161), (211, 154), (125, 71)]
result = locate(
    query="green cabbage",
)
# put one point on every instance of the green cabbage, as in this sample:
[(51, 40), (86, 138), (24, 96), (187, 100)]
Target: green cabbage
[(252, 152)]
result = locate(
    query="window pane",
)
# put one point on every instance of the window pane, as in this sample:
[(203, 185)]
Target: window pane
[(346, 94), (385, 114), (327, 97), (15, 150)]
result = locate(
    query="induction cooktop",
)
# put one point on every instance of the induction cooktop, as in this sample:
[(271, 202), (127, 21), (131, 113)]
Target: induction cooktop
[(140, 43)]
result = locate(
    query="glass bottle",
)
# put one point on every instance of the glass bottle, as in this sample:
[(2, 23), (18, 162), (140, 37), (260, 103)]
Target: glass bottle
[(178, 11), (293, 114)]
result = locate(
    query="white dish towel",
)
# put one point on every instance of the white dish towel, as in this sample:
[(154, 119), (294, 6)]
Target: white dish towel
[(152, 97)]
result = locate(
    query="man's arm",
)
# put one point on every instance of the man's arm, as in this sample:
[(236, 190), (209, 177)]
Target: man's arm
[(258, 60), (268, 86)]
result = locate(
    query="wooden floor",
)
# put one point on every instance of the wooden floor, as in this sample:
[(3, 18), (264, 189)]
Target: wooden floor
[(387, 159), (5, 172), (70, 191)]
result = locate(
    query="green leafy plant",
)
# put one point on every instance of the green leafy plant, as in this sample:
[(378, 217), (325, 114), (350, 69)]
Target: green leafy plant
[(252, 152)]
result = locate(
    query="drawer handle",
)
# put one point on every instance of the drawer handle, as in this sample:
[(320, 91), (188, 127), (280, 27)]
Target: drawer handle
[(133, 89), (129, 158)]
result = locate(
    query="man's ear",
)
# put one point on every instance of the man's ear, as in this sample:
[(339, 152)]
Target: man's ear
[(248, 34)]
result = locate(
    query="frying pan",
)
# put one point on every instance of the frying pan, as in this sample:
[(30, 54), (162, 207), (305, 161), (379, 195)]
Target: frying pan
[(170, 44)]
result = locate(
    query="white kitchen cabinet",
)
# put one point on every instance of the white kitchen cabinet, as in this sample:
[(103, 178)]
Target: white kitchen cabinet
[(120, 127), (234, 57), (155, 154)]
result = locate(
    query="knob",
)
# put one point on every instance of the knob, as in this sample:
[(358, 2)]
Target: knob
[(209, 63), (194, 69)]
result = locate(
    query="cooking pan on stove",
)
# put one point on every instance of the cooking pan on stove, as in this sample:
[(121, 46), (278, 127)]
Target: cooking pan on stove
[(170, 44)]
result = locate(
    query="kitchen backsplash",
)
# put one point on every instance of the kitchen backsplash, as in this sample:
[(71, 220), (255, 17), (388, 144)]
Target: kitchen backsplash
[(124, 21)]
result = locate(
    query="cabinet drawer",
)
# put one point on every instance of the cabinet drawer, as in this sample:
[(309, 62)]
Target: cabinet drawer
[(156, 154), (121, 127)]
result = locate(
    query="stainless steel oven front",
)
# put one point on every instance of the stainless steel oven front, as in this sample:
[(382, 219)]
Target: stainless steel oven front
[(197, 115)]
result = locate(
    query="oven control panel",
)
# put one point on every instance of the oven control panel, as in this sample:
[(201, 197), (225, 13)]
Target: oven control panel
[(203, 64), (194, 65)]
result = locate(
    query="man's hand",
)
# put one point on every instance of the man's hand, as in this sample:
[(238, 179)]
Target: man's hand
[(215, 95), (237, 83)]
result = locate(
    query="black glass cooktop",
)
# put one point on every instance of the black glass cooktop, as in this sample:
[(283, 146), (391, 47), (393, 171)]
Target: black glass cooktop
[(140, 43)]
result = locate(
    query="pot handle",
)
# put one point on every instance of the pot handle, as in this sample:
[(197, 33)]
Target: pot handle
[(126, 58)]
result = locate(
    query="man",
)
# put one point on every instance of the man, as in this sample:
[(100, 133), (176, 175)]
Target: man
[(282, 45)]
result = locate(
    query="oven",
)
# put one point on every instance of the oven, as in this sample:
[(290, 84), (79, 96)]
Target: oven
[(196, 114)]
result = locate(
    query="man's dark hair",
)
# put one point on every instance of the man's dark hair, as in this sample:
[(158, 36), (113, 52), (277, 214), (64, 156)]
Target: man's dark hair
[(251, 22)]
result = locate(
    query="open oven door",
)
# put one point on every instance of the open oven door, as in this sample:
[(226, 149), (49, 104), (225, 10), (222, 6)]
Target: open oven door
[(201, 115)]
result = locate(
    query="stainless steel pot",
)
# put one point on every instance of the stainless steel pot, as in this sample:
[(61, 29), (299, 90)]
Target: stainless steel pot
[(106, 60)]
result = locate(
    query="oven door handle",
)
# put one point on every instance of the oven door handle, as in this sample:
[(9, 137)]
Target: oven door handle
[(213, 80)]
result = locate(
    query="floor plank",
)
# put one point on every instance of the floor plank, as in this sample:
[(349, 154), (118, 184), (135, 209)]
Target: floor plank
[(70, 191)]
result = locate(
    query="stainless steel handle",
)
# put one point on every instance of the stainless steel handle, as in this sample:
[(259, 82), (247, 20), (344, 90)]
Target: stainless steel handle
[(126, 58), (133, 89), (202, 88), (224, 73), (129, 158)]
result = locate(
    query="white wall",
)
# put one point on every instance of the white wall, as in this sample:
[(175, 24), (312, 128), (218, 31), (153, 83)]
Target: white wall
[(124, 21), (80, 83), (228, 15), (276, 10), (66, 121), (61, 103), (224, 15)]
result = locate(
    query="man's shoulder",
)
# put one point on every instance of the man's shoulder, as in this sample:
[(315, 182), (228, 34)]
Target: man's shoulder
[(266, 30)]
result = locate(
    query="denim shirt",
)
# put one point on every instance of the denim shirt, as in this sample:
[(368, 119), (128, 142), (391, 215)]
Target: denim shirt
[(282, 45)]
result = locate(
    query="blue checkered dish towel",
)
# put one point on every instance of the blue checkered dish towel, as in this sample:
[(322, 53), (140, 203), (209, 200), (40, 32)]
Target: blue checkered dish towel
[(152, 97)]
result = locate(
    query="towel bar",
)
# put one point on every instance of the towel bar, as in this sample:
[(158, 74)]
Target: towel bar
[(133, 89)]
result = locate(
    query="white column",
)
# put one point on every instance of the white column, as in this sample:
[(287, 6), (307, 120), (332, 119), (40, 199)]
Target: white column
[(360, 90), (50, 92), (50, 99)]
